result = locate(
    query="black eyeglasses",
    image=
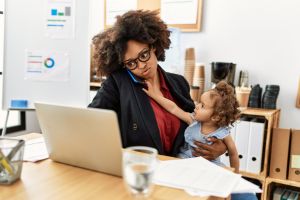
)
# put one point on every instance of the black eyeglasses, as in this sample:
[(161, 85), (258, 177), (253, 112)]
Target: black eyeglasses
[(143, 56)]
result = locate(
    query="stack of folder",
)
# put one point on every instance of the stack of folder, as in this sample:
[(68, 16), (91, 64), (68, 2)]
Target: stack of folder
[(294, 165), (285, 154), (279, 153), (285, 194), (248, 134)]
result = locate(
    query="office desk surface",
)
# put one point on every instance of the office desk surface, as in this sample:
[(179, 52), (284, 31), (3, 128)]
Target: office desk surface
[(51, 180)]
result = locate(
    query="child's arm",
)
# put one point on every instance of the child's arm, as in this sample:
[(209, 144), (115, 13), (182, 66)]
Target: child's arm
[(167, 104), (233, 154)]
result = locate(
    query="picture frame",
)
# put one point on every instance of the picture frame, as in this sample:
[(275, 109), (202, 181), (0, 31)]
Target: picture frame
[(155, 5)]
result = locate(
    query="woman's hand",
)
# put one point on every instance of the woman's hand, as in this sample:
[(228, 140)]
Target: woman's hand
[(210, 152)]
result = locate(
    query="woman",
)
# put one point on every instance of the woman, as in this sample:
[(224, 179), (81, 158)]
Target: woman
[(128, 54)]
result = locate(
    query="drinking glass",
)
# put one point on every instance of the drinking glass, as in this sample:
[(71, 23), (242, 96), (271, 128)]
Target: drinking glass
[(139, 164)]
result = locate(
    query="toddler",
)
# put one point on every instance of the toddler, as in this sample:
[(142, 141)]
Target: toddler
[(212, 117)]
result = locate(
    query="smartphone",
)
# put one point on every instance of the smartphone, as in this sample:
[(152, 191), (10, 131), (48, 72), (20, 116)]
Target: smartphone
[(136, 79)]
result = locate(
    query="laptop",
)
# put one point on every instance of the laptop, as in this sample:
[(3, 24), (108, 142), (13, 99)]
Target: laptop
[(83, 137)]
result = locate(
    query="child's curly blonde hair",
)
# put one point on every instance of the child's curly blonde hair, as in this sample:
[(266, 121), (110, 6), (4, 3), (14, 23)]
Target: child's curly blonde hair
[(226, 105)]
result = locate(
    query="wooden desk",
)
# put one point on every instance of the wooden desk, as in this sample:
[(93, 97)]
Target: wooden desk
[(52, 180)]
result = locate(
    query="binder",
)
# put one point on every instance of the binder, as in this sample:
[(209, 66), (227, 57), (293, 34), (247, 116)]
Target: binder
[(294, 165), (285, 195), (293, 196), (241, 141), (277, 193), (279, 153), (256, 137)]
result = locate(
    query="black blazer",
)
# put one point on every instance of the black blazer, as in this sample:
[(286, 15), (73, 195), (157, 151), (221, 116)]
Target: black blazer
[(135, 114)]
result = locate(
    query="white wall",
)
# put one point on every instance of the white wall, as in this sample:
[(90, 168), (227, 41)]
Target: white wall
[(96, 17), (261, 36)]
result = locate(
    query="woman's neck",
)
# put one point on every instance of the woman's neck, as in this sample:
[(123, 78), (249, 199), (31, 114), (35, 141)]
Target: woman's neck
[(155, 80), (208, 127)]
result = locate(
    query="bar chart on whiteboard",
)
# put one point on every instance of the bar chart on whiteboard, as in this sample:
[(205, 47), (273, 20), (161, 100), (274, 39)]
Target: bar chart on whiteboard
[(51, 68), (59, 18)]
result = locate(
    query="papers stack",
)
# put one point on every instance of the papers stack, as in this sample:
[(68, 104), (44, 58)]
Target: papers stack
[(35, 147), (200, 177)]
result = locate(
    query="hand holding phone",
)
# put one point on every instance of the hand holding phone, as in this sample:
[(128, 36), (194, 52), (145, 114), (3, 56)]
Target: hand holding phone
[(135, 79)]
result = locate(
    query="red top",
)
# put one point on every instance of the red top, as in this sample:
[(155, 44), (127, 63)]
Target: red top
[(167, 123)]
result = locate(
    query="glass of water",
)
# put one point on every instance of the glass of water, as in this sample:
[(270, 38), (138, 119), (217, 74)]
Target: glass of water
[(139, 164)]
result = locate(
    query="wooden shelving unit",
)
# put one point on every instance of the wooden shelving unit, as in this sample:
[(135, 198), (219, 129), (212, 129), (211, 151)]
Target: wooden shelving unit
[(253, 176), (268, 184), (272, 118), (96, 77), (271, 183), (282, 182), (95, 84)]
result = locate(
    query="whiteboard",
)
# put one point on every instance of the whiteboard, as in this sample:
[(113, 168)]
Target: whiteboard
[(1, 39), (26, 34)]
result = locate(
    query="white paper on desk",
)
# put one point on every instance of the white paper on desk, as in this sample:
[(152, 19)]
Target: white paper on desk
[(196, 174), (243, 186), (35, 150)]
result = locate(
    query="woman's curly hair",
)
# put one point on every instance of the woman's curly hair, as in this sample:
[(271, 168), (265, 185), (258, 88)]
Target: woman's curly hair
[(142, 26), (226, 106)]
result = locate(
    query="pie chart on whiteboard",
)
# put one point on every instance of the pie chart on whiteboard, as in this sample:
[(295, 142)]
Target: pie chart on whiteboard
[(49, 63)]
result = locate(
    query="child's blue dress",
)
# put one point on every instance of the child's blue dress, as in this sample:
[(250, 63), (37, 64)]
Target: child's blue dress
[(193, 133)]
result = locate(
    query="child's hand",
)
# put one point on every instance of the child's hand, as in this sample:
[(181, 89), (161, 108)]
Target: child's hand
[(150, 91)]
